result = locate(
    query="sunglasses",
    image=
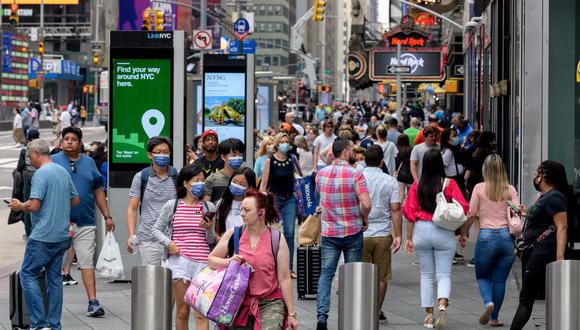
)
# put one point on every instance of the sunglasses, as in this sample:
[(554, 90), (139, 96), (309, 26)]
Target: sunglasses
[(73, 166)]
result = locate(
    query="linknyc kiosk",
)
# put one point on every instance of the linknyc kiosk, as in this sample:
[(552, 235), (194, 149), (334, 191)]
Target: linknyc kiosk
[(147, 98)]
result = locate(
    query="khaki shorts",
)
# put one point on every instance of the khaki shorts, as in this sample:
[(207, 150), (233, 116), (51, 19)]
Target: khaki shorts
[(84, 243), (378, 251), (151, 252)]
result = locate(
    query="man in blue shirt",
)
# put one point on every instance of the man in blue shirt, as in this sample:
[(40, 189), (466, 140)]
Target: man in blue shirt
[(51, 197), (89, 184), (463, 128)]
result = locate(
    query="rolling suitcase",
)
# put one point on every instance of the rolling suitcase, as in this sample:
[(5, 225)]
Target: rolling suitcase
[(308, 267), (19, 315)]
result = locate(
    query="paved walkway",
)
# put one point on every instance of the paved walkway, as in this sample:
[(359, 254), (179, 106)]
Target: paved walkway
[(401, 306)]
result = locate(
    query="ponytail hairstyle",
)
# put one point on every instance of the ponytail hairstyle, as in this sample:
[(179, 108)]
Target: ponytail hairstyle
[(265, 204)]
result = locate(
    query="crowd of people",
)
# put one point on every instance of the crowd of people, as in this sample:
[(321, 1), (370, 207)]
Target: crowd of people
[(374, 169)]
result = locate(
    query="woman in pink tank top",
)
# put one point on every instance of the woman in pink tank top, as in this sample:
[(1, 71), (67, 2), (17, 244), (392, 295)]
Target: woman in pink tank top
[(269, 303)]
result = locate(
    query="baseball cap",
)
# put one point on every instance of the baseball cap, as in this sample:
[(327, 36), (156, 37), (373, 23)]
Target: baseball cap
[(209, 132)]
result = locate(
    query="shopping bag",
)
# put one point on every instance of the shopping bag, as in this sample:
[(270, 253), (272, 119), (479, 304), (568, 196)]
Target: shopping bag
[(309, 231), (305, 194), (109, 265), (217, 294)]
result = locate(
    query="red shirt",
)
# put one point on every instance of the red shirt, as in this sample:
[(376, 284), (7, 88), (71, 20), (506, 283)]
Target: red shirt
[(412, 210)]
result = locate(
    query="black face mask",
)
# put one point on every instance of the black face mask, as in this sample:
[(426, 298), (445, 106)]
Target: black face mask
[(351, 160), (537, 184)]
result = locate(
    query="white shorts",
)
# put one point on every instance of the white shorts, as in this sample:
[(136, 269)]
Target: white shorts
[(183, 268), (84, 243)]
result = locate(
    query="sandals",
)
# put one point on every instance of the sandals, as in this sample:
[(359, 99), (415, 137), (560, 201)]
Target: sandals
[(429, 321), (484, 318), (441, 319), (495, 324)]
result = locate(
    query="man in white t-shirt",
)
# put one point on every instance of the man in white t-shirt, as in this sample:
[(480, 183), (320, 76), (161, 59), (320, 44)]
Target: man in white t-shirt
[(420, 149), (389, 148), (65, 118), (321, 142)]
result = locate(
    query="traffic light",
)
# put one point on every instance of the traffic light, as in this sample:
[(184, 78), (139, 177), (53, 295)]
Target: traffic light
[(95, 58), (14, 20), (319, 9), (41, 48), (146, 25), (159, 20)]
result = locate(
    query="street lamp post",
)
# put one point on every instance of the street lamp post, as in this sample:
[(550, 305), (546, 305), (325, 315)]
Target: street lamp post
[(41, 38)]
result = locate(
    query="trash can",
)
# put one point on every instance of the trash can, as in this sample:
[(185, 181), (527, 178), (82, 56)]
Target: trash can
[(358, 294), (151, 298), (563, 295)]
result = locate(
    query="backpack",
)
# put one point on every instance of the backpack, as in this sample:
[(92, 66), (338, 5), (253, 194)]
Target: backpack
[(145, 179), (234, 242)]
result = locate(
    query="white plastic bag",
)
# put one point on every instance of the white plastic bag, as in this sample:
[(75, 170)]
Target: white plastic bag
[(110, 265)]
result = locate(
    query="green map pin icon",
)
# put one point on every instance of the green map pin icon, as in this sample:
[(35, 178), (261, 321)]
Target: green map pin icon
[(152, 129)]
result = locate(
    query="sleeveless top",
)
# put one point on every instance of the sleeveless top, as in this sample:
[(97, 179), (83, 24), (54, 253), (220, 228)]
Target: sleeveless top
[(264, 278), (281, 179)]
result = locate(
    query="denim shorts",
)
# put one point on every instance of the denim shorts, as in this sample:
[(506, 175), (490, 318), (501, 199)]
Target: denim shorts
[(183, 268)]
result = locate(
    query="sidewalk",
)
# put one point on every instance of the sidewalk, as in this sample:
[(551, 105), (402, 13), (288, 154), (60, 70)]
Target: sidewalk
[(401, 305)]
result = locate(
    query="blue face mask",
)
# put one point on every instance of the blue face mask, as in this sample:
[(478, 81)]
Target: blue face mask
[(197, 188), (237, 190), (455, 141), (161, 160), (284, 147), (235, 162)]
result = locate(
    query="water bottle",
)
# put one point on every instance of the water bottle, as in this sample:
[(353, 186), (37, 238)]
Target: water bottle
[(135, 243)]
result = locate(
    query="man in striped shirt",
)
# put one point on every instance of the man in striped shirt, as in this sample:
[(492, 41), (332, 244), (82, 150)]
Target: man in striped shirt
[(346, 204)]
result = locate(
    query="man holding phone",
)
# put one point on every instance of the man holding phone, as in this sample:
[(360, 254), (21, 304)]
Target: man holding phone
[(52, 195)]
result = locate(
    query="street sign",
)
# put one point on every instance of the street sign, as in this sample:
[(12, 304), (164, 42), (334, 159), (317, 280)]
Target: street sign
[(202, 39), (241, 28), (398, 69), (248, 46), (459, 70)]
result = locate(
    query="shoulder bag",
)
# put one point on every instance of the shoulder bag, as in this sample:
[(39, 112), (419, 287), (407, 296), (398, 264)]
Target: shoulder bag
[(448, 216)]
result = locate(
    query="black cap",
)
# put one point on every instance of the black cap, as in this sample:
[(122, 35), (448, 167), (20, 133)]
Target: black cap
[(33, 134)]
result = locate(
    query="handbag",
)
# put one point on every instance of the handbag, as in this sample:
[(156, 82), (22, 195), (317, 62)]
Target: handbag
[(515, 223), (523, 249), (304, 191), (218, 294), (448, 216), (309, 231)]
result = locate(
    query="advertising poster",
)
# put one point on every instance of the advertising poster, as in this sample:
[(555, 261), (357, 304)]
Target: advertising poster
[(131, 13), (225, 104), (142, 99), (263, 106)]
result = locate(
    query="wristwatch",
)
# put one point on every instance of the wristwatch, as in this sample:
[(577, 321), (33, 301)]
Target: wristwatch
[(108, 217), (295, 315)]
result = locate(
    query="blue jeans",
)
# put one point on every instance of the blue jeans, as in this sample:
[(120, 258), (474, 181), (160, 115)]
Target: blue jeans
[(494, 256), (287, 208), (331, 247), (435, 248), (36, 256)]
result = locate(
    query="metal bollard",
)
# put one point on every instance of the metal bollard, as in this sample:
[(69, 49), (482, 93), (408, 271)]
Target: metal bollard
[(563, 295), (358, 293), (151, 298)]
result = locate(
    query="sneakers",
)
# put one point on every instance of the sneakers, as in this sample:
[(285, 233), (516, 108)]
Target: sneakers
[(458, 258), (95, 309), (471, 263), (382, 318), (68, 280)]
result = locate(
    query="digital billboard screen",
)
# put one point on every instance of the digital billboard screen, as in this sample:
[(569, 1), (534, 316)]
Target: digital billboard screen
[(142, 100), (224, 96)]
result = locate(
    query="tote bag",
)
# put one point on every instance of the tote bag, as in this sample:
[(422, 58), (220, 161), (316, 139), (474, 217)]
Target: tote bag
[(448, 216)]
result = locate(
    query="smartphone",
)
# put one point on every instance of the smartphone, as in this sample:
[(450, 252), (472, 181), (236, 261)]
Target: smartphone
[(514, 207), (7, 201), (208, 216)]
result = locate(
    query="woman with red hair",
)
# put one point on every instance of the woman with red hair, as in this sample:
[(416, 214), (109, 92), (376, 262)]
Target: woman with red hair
[(268, 303)]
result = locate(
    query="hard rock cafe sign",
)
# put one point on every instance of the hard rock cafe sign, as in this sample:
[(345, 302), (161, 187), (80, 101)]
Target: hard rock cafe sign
[(407, 35)]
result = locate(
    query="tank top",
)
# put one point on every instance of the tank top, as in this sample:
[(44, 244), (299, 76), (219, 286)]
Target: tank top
[(188, 234), (281, 179), (264, 278)]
